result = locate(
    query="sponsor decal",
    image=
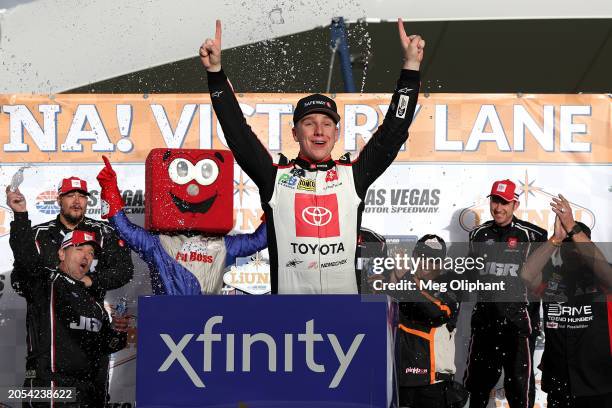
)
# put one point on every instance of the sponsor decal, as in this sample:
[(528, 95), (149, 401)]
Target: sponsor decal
[(313, 265), (252, 277), (334, 263), (416, 370), (398, 200), (564, 316), (239, 349), (500, 269), (501, 188), (5, 220), (297, 172), (306, 184), (87, 323), (331, 175), (316, 215), (193, 252), (558, 309), (321, 249), (217, 94), (402, 106), (534, 208), (404, 90), (287, 180), (512, 242), (317, 102), (293, 263)]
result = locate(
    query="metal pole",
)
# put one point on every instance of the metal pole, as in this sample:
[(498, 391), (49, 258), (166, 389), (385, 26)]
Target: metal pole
[(338, 36)]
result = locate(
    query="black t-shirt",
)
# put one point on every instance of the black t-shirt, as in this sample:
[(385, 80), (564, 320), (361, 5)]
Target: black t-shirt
[(578, 331)]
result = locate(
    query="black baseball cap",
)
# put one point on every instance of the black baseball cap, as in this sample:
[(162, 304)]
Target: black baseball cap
[(430, 246), (315, 103)]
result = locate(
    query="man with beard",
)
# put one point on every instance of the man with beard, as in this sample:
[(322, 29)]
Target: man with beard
[(114, 266), (574, 280), (504, 324)]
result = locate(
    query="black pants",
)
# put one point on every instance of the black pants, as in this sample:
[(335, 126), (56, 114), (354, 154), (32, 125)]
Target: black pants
[(427, 396), (488, 354), (559, 395)]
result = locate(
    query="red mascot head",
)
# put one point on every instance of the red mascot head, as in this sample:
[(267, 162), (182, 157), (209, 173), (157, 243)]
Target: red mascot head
[(189, 190)]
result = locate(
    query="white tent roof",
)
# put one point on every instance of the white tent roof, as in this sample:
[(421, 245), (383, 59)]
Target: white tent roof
[(48, 46)]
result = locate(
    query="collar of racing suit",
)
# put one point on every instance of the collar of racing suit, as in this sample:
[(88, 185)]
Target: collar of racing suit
[(500, 230), (310, 166)]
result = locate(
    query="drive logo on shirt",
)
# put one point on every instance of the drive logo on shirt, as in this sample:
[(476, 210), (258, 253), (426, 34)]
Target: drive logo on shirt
[(316, 215)]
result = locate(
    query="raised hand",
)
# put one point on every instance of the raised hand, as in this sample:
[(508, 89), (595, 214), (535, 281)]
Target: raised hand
[(15, 200), (559, 233), (562, 208), (210, 51), (412, 47), (110, 195)]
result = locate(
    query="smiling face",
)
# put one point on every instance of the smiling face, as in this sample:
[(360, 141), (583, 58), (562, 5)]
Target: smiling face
[(189, 190), (502, 210), (75, 261), (316, 133)]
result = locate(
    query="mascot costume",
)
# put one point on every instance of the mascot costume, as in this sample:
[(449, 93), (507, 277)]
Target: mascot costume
[(188, 210)]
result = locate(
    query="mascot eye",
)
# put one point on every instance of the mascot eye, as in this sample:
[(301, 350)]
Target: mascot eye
[(206, 172), (179, 171)]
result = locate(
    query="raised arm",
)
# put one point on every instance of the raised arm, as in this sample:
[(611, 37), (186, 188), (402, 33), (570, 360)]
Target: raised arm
[(26, 264), (246, 244), (587, 249), (249, 152), (383, 146), (112, 208), (532, 269)]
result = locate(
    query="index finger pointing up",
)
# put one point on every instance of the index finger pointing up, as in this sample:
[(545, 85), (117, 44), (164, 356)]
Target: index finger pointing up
[(106, 162), (218, 32), (402, 32)]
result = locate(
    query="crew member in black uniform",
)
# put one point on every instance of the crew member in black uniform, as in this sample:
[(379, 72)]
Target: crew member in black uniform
[(112, 269), (428, 317), (313, 204), (504, 323), (70, 332), (574, 280)]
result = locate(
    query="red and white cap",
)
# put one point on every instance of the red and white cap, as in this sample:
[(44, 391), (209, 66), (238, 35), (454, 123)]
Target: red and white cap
[(71, 184), (504, 189), (79, 237)]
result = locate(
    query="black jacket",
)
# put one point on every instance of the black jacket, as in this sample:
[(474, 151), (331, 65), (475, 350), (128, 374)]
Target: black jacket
[(70, 333), (504, 250), (35, 251), (426, 340)]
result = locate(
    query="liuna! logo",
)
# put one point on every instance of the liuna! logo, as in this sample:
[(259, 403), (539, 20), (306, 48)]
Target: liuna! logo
[(309, 337)]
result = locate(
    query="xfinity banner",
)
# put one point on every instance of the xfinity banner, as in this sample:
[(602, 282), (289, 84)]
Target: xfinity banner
[(265, 351)]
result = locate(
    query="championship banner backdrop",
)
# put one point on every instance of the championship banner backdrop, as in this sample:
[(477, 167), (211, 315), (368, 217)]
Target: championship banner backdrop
[(447, 127), (458, 145)]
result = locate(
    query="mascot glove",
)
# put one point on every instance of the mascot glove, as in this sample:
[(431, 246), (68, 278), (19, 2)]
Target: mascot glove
[(112, 202)]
